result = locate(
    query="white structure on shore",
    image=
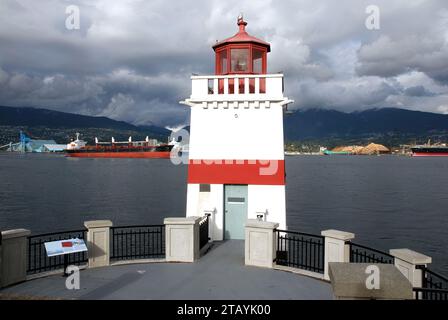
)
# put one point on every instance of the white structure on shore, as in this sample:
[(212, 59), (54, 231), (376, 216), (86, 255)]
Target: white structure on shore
[(236, 165)]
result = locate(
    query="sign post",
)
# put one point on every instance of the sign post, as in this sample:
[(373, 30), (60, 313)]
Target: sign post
[(64, 248)]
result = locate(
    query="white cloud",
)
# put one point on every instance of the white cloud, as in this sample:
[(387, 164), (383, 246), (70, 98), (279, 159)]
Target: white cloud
[(131, 59)]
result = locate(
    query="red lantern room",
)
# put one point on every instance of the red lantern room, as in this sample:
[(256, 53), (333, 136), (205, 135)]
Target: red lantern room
[(242, 53)]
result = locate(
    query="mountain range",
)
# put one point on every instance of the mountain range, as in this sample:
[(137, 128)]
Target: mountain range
[(320, 123), (309, 124)]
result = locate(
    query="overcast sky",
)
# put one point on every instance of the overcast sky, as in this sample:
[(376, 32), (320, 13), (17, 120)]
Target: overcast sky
[(131, 59)]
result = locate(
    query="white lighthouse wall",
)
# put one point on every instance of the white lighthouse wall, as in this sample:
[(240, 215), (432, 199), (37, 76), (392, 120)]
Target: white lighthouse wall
[(261, 198), (200, 203), (245, 133)]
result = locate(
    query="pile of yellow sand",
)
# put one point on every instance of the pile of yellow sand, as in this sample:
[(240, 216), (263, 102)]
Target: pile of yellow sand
[(372, 148), (350, 149)]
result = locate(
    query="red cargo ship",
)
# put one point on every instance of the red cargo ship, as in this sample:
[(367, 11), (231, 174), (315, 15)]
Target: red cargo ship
[(129, 149), (430, 151)]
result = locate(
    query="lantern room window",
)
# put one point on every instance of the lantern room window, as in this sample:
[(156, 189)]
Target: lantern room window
[(257, 58), (239, 58), (223, 61)]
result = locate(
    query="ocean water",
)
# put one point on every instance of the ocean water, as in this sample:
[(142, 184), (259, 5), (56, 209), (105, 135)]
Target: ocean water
[(387, 201)]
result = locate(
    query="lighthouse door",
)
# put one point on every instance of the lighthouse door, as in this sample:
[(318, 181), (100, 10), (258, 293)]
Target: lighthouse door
[(235, 211)]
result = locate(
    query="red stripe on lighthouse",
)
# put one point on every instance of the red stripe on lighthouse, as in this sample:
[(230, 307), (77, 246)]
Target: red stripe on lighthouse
[(260, 172)]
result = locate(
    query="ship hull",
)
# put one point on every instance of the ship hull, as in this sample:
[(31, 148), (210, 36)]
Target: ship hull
[(430, 152), (426, 154), (138, 155), (156, 152)]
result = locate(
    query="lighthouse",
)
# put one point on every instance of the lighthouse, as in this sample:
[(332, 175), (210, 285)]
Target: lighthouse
[(236, 167)]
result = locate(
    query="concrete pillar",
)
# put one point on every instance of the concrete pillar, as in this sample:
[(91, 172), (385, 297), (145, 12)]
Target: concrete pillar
[(406, 261), (98, 242), (260, 243), (337, 248), (13, 259), (182, 239)]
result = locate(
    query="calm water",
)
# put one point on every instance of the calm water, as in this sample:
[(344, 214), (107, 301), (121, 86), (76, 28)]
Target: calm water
[(388, 202)]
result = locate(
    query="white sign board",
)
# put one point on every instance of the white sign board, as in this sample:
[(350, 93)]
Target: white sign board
[(61, 247)]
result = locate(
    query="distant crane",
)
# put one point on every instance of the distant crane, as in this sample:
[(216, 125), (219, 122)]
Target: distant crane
[(9, 145), (24, 140)]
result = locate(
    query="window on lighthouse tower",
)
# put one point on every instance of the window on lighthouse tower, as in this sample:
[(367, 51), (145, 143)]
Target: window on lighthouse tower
[(257, 58), (223, 61), (239, 60)]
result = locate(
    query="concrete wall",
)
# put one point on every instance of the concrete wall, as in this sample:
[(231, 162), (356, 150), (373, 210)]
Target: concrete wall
[(13, 256)]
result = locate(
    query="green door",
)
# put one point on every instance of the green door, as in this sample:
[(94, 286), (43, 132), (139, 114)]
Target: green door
[(235, 211)]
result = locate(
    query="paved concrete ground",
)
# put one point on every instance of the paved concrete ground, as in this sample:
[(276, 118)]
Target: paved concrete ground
[(220, 274)]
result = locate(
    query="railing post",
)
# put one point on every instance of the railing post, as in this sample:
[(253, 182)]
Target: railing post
[(337, 248), (408, 261), (182, 239), (260, 243), (98, 242), (13, 260)]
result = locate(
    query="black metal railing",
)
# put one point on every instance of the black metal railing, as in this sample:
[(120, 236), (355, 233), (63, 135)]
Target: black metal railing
[(363, 254), (434, 286), (300, 250), (38, 261), (137, 242), (203, 231), (430, 294)]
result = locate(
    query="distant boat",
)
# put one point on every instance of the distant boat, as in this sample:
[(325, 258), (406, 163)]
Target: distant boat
[(122, 149), (329, 152), (430, 151)]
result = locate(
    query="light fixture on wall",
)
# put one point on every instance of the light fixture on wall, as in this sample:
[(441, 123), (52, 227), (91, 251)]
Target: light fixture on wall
[(261, 215)]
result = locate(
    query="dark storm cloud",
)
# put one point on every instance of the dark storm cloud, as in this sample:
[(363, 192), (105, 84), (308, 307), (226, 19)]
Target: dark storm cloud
[(131, 59), (418, 91)]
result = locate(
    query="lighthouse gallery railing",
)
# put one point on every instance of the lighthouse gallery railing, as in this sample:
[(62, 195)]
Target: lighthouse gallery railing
[(237, 87)]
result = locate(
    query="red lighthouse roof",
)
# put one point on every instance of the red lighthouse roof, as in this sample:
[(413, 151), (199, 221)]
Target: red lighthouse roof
[(242, 37)]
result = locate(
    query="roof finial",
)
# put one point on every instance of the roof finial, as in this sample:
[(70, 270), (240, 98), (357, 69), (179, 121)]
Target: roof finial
[(241, 23)]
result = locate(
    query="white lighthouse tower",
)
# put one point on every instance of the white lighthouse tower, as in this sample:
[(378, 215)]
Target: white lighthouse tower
[(236, 167)]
